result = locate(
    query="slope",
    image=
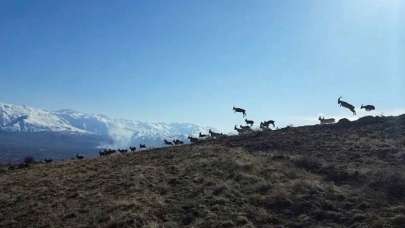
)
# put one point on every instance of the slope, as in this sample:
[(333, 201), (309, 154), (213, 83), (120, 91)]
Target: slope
[(350, 174)]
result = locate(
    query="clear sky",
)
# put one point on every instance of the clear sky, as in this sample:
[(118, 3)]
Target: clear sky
[(191, 61)]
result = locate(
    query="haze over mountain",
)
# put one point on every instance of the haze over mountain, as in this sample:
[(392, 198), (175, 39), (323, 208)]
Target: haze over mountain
[(26, 131)]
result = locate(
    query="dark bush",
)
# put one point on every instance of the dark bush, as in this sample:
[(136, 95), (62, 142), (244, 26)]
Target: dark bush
[(369, 120), (340, 175), (344, 121), (308, 163), (391, 183)]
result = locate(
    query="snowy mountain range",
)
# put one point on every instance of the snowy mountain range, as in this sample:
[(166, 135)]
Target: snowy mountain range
[(18, 120)]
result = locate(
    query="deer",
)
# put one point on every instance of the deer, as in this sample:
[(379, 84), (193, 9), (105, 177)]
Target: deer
[(193, 140), (346, 105), (249, 122), (123, 151), (106, 152), (240, 130), (133, 149), (79, 157), (240, 110), (168, 142), (201, 135), (326, 121), (245, 128), (266, 124), (214, 134), (178, 142), (142, 146), (102, 153), (367, 107)]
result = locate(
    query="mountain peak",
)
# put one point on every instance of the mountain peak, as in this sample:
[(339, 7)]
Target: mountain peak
[(21, 118)]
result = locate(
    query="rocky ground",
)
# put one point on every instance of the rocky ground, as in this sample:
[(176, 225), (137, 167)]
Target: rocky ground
[(350, 174)]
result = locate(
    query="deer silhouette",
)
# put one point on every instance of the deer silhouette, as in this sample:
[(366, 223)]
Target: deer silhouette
[(201, 135), (367, 107), (133, 149), (245, 128), (142, 146), (214, 134), (249, 122), (79, 157), (106, 152), (346, 105), (178, 142), (123, 151), (168, 142), (241, 130), (193, 140), (326, 121), (266, 124), (240, 110)]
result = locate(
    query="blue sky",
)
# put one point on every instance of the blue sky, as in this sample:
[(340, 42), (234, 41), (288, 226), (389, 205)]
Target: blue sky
[(191, 61)]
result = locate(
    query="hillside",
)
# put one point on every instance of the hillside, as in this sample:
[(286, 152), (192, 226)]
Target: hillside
[(350, 174)]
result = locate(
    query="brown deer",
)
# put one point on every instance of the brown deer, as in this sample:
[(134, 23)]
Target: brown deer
[(266, 124), (193, 140), (326, 121), (214, 134), (346, 105), (368, 108), (249, 122), (246, 128), (178, 142), (241, 131), (240, 110), (168, 142)]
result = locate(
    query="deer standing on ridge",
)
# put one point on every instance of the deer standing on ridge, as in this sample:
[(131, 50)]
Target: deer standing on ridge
[(193, 140), (266, 124), (214, 134), (326, 121)]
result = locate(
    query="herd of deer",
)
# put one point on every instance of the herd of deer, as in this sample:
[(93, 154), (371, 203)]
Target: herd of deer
[(265, 125), (106, 152), (249, 123), (346, 105), (201, 136)]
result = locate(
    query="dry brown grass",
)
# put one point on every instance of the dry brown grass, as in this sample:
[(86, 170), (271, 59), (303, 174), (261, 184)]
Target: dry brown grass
[(298, 177)]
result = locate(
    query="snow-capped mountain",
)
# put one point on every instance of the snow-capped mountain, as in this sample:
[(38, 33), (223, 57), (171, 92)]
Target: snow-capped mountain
[(16, 118), (127, 132), (66, 128)]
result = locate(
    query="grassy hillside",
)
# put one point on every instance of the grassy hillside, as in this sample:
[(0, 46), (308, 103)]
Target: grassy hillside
[(343, 175)]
